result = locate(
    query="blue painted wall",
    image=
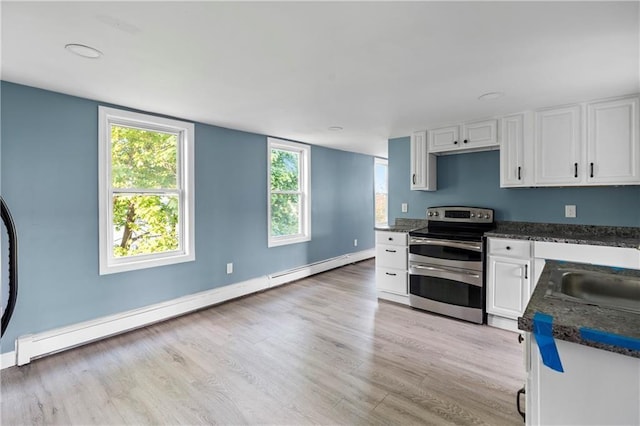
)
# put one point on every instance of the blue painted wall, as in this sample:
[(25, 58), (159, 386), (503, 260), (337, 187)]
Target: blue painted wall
[(49, 179), (474, 180)]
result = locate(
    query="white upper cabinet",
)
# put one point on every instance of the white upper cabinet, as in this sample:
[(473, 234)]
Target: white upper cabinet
[(444, 138), (472, 136), (423, 164), (613, 146), (480, 134), (599, 147), (558, 145), (516, 151)]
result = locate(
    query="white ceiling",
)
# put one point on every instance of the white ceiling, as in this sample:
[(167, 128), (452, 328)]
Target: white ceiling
[(292, 69)]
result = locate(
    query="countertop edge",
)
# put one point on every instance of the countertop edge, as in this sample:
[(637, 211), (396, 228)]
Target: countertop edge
[(565, 324)]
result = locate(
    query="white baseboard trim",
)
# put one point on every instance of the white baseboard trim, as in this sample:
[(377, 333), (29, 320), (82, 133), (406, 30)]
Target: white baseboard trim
[(398, 298), (7, 360), (33, 346), (503, 323)]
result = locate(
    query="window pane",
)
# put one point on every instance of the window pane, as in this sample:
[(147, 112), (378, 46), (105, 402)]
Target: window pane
[(381, 192), (143, 158), (285, 214), (144, 224), (285, 167)]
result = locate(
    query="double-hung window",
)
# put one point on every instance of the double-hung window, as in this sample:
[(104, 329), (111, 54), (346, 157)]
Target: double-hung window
[(146, 190), (289, 203)]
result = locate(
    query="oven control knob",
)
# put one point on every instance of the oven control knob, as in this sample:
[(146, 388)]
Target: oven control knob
[(486, 216), (430, 214), (473, 215), (435, 214)]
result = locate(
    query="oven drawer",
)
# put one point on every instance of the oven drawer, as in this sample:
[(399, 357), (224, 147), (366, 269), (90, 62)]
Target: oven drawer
[(391, 238), (391, 256), (391, 280), (509, 248)]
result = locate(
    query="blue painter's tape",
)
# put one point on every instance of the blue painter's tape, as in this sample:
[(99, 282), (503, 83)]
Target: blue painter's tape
[(542, 330), (610, 339)]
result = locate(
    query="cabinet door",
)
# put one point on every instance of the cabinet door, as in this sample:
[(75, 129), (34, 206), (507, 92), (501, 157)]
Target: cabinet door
[(391, 280), (613, 147), (423, 164), (557, 146), (512, 171), (507, 287), (444, 139), (479, 134), (391, 256)]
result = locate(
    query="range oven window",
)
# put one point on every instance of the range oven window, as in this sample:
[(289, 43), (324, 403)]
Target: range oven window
[(445, 252), (446, 291)]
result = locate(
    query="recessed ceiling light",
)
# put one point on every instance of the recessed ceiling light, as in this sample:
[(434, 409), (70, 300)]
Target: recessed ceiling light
[(84, 51), (490, 96), (335, 128)]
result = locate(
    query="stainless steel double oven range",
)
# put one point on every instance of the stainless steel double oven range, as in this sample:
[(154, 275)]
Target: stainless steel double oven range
[(446, 262)]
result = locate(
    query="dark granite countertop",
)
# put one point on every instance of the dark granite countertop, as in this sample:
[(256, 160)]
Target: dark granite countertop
[(403, 225), (569, 317), (615, 236)]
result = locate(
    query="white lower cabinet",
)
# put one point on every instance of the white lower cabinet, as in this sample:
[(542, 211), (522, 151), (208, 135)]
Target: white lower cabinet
[(597, 387), (391, 266), (508, 281)]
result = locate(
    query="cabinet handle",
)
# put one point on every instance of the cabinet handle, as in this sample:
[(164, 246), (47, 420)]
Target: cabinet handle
[(465, 141), (414, 178), (455, 142), (520, 411), (390, 251), (520, 338), (390, 238), (591, 169), (575, 170), (508, 248), (519, 168), (526, 272), (389, 273)]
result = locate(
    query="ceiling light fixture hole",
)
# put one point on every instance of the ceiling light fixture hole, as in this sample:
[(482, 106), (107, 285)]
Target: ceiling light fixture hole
[(491, 96), (83, 50)]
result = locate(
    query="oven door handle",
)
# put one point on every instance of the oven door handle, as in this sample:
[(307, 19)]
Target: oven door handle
[(439, 269), (446, 243)]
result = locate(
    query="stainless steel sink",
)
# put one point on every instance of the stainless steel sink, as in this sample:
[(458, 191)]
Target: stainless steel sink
[(596, 288)]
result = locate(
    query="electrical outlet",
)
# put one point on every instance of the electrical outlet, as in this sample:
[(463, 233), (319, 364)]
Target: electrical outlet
[(570, 210), (405, 208), (229, 268), (355, 243)]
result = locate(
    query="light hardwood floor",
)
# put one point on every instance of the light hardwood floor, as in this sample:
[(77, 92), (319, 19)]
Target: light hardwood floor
[(322, 350)]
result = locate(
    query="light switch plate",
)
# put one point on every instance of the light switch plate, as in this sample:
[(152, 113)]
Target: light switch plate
[(229, 268), (570, 210), (405, 208)]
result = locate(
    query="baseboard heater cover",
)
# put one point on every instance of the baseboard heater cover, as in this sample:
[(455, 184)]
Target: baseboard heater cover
[(34, 346)]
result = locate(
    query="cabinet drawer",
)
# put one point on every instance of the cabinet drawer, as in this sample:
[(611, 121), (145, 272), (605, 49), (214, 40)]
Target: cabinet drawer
[(391, 280), (391, 256), (510, 248), (391, 238)]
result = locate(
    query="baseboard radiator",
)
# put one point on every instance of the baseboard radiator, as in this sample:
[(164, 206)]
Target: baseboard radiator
[(32, 346)]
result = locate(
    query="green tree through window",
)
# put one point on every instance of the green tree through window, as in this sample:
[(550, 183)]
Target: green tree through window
[(145, 161), (146, 190), (288, 192)]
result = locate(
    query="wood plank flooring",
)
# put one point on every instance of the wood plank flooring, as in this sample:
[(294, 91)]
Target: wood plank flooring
[(322, 350)]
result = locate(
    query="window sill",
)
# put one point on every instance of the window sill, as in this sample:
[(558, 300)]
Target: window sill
[(144, 263)]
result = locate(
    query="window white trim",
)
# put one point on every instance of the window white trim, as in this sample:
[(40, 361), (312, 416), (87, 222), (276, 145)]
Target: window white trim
[(185, 190), (305, 192)]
